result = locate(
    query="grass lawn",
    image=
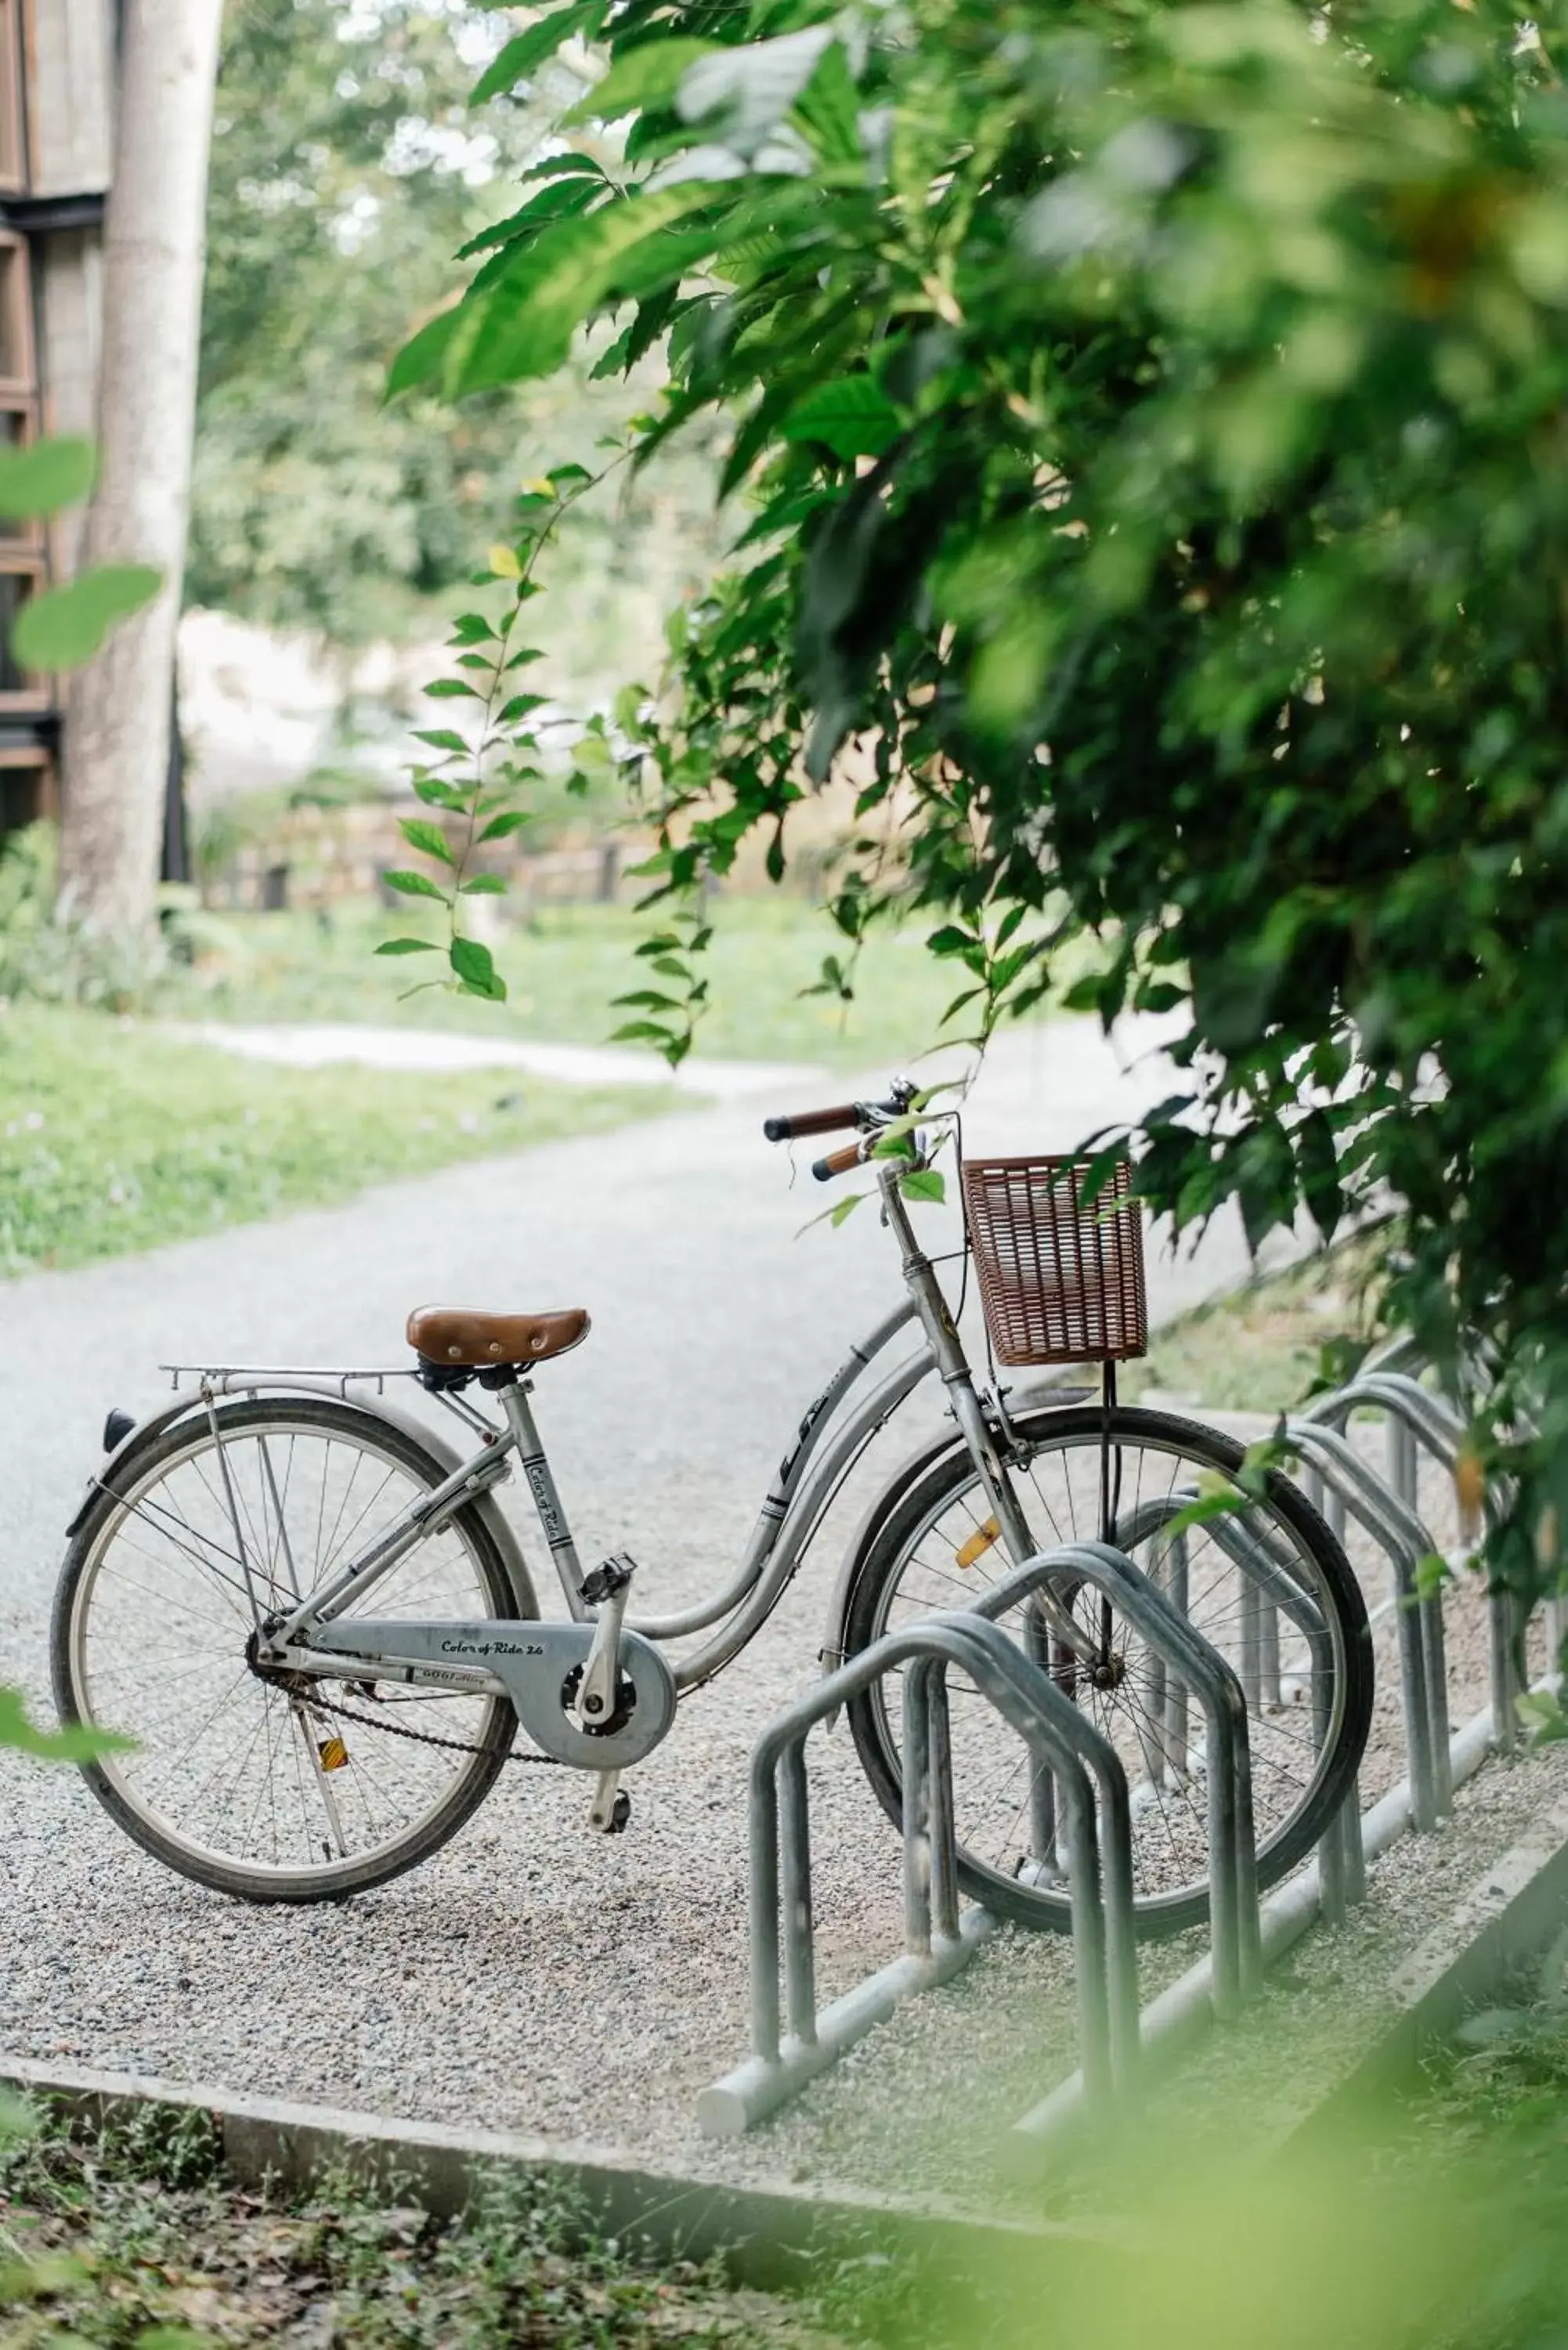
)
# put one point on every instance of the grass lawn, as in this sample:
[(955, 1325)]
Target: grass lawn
[(130, 2235), (563, 972), (113, 1138), (1258, 1349)]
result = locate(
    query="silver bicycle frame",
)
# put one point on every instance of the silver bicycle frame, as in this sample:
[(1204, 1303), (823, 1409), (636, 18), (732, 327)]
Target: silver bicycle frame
[(825, 1449)]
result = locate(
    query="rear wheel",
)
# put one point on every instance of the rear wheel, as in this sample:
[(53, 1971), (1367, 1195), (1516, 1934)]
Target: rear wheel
[(256, 1788), (1305, 1665)]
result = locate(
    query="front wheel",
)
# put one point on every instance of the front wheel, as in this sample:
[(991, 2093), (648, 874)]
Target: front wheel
[(255, 1788), (1266, 1584)]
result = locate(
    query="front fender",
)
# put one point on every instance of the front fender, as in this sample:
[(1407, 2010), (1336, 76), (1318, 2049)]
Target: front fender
[(830, 1655)]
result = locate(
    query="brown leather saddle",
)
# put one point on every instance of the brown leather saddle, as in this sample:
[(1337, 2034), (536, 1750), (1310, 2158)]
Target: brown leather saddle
[(451, 1334)]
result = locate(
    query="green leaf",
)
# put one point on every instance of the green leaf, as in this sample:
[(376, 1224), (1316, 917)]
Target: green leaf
[(528, 49), (750, 86), (640, 1032), (853, 417), (523, 322), (554, 167), (482, 885), (829, 108), (451, 688), (45, 477), (843, 1209), (421, 356), (647, 76), (441, 738), (1540, 1712), (414, 885), (550, 203), (647, 999), (500, 826), (65, 626), (408, 946), (435, 794), (74, 1743), (924, 1183), (428, 837), (475, 967)]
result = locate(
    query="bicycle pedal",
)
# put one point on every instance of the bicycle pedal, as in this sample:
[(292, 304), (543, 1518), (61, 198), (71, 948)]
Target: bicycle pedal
[(611, 1807), (610, 1575)]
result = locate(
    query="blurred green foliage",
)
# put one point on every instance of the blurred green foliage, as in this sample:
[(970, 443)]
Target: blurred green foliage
[(346, 172), (1151, 423), (59, 627)]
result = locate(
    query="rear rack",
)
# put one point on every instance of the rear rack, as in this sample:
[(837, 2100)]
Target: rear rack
[(267, 1374)]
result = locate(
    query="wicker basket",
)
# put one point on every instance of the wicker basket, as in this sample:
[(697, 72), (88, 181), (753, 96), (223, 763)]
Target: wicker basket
[(1061, 1277)]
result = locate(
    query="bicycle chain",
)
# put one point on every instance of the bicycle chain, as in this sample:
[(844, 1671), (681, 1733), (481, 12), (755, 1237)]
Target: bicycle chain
[(424, 1737)]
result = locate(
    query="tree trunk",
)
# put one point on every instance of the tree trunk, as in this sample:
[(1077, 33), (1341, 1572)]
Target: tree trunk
[(118, 715)]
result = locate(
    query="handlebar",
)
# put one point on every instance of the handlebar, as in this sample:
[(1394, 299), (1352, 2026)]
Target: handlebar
[(811, 1121), (869, 1116), (838, 1162)]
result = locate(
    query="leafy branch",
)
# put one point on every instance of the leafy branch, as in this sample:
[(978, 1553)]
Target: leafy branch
[(477, 782)]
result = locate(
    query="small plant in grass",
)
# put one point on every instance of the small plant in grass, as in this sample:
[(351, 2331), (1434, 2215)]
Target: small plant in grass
[(130, 2227)]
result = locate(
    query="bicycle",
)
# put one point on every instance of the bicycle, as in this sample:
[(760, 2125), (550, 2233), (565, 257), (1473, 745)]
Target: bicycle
[(290, 1745)]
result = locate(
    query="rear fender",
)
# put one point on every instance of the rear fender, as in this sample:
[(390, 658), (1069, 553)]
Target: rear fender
[(119, 1468)]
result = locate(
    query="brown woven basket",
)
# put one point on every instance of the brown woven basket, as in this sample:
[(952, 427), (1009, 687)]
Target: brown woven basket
[(1061, 1278)]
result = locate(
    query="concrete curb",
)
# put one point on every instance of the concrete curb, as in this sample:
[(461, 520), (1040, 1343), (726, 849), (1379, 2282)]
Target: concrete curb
[(1183, 2012), (769, 2235), (1513, 1913)]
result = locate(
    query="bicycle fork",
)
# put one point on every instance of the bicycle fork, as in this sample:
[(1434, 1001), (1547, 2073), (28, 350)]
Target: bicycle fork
[(953, 1369)]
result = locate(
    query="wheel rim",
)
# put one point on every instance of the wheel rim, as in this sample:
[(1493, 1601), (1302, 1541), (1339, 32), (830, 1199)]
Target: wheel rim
[(1295, 1688), (228, 1770)]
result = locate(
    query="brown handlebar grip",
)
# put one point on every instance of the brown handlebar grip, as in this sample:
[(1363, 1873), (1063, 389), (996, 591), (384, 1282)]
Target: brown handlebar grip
[(837, 1162), (810, 1121)]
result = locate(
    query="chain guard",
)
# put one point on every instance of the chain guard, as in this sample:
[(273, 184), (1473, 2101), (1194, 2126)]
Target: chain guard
[(540, 1667)]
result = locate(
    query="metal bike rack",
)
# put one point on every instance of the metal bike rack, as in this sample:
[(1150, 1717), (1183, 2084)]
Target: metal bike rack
[(792, 2047), (1190, 1657), (1417, 1417), (1385, 1503), (1399, 1534)]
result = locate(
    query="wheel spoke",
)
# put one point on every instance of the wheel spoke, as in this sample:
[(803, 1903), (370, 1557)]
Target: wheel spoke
[(228, 1777), (1143, 1700)]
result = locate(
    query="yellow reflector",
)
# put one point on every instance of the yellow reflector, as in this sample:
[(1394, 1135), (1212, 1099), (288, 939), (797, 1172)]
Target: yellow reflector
[(978, 1543), (333, 1753)]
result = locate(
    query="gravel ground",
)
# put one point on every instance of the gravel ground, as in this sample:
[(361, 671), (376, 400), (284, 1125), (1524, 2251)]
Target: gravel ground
[(531, 1975)]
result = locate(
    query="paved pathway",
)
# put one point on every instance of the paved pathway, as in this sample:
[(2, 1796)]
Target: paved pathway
[(530, 1974), (318, 1045)]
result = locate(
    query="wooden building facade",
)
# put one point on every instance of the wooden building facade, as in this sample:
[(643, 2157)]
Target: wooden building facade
[(58, 60)]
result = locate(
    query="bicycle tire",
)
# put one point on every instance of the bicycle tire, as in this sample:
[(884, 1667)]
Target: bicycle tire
[(915, 1503), (110, 1779)]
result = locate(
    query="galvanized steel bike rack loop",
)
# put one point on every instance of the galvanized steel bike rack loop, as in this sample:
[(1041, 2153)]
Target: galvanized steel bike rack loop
[(938, 1940), (1416, 1417), (1400, 1535), (1232, 1848)]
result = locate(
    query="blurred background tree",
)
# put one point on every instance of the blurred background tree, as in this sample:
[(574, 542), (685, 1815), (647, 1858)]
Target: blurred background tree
[(346, 171)]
